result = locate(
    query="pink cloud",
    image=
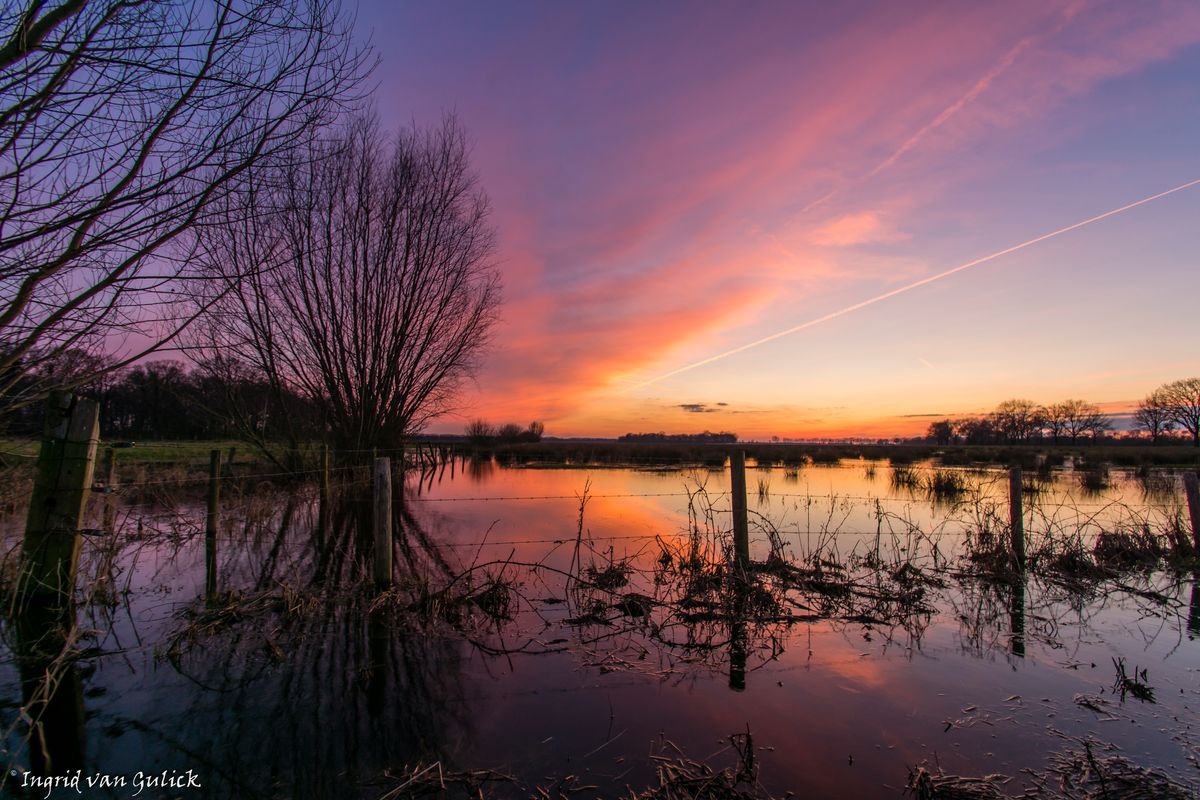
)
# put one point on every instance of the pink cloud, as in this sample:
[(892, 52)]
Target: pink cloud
[(864, 227)]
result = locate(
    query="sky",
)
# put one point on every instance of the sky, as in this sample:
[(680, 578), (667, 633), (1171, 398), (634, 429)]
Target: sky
[(674, 181)]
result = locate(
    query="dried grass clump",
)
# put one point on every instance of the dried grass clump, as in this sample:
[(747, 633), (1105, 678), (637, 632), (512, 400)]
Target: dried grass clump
[(434, 780), (609, 577), (1075, 774), (926, 785), (946, 484), (681, 778), (988, 556), (1081, 775), (1128, 549), (905, 477)]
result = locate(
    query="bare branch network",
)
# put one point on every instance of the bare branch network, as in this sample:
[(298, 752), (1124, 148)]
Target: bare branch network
[(368, 289), (123, 125)]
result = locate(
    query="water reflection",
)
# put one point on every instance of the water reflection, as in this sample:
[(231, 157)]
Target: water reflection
[(261, 657), (325, 685), (51, 688)]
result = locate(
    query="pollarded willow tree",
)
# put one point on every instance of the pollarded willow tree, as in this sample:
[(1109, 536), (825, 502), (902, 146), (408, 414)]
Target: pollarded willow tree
[(123, 125), (363, 282)]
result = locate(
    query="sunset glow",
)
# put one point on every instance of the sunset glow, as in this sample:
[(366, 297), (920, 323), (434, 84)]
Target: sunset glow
[(690, 205)]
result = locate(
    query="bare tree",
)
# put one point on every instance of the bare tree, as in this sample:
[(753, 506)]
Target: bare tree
[(1183, 401), (370, 288), (1153, 415), (1075, 418), (480, 431), (1018, 420), (975, 430), (941, 432), (122, 124)]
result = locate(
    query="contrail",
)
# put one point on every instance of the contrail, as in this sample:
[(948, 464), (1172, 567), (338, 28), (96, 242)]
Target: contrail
[(916, 284)]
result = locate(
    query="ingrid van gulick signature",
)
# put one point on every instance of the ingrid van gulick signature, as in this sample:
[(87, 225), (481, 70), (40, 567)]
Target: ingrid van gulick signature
[(139, 782)]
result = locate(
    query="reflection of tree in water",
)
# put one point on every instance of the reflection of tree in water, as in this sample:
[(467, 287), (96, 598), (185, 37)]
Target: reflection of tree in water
[(312, 691)]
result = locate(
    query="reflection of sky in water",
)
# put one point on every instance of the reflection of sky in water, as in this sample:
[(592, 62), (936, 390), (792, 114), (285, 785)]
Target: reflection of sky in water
[(319, 703)]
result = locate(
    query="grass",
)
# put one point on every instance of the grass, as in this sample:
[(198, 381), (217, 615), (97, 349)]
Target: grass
[(946, 484), (166, 452), (1077, 773), (905, 477)]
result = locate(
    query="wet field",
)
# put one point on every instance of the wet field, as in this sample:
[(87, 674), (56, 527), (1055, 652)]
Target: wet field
[(584, 632)]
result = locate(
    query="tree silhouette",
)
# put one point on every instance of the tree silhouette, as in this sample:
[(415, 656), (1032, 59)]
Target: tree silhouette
[(1153, 415), (363, 282), (1183, 401)]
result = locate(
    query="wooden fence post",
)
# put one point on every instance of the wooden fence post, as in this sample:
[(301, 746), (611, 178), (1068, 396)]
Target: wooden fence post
[(65, 466), (1191, 488), (741, 525), (383, 522), (229, 461), (1016, 517)]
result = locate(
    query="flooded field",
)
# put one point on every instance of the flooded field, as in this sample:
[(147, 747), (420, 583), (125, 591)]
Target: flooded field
[(585, 632)]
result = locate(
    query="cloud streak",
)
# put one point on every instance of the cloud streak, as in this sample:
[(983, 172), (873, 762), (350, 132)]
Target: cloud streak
[(909, 287)]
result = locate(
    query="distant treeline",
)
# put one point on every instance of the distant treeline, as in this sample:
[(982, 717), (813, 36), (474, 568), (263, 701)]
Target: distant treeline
[(167, 400), (708, 437), (482, 432), (1171, 411)]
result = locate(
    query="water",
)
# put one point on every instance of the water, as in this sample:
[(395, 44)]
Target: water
[(292, 681)]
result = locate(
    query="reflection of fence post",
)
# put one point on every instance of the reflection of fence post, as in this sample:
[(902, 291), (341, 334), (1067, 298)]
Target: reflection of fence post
[(1194, 611), (741, 525), (324, 472), (1191, 488), (52, 689), (212, 523), (1016, 517), (1016, 617), (108, 474), (378, 641), (737, 656), (214, 494), (65, 465), (210, 568), (383, 522), (738, 640)]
